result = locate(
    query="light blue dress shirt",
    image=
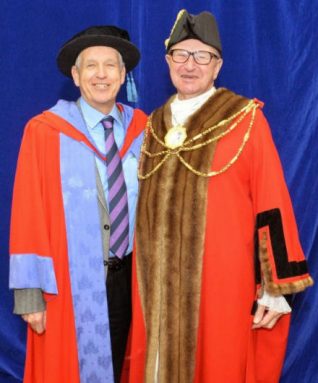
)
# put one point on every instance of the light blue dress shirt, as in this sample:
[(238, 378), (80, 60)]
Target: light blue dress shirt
[(92, 118)]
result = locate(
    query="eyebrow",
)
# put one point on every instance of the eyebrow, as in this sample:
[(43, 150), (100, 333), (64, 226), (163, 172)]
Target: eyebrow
[(108, 60)]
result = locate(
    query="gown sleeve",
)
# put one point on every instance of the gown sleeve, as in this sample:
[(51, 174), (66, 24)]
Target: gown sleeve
[(281, 267), (31, 263)]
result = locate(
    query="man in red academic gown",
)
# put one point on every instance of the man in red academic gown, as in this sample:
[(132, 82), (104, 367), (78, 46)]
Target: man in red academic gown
[(73, 217)]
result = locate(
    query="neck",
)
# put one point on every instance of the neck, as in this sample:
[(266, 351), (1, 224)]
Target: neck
[(182, 97), (102, 108)]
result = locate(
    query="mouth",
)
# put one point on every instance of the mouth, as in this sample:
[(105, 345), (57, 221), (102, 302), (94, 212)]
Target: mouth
[(101, 86), (188, 77)]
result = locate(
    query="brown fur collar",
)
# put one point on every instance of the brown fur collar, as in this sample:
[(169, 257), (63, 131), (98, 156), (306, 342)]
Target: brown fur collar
[(170, 242)]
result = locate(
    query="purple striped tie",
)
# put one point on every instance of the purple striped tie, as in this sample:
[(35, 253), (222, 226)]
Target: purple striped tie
[(117, 193)]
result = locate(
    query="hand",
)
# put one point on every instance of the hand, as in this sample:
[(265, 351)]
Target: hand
[(265, 318), (37, 321)]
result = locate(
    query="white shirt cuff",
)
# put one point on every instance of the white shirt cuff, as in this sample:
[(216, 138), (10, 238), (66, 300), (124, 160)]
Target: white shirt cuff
[(278, 304)]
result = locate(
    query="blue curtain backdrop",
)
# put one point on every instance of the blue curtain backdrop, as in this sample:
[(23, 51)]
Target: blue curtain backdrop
[(270, 52)]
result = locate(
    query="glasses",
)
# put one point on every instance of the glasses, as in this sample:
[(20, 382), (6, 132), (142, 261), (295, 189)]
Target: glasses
[(181, 56)]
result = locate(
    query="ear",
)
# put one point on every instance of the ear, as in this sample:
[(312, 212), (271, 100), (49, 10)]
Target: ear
[(168, 59), (122, 75), (75, 75), (217, 68)]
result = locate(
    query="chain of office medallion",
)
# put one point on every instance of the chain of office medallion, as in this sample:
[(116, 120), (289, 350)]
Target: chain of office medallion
[(250, 107)]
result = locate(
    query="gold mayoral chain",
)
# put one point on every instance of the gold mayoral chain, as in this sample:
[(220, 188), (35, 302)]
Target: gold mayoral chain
[(175, 142)]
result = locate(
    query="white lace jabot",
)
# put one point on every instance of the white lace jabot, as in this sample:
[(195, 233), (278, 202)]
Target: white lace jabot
[(182, 109)]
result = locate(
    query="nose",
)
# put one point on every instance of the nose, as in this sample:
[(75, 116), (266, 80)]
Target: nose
[(190, 63), (101, 71)]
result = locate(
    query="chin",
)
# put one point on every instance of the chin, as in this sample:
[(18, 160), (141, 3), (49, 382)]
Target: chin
[(190, 94)]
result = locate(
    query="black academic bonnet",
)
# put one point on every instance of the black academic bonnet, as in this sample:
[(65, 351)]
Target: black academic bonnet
[(202, 27), (106, 35)]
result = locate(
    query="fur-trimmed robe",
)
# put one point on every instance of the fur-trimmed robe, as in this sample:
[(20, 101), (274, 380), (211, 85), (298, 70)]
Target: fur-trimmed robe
[(195, 274)]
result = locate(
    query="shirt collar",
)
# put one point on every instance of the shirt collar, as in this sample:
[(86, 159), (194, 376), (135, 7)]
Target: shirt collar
[(181, 110), (93, 117)]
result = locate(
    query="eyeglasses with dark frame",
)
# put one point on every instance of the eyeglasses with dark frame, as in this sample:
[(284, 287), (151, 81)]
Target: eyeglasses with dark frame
[(181, 56)]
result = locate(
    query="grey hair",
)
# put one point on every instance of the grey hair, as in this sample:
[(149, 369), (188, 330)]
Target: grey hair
[(79, 59)]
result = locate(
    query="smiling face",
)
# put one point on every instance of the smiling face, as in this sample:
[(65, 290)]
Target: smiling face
[(99, 73), (189, 78)]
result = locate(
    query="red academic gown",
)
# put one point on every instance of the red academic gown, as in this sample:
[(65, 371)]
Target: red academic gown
[(38, 227), (228, 350)]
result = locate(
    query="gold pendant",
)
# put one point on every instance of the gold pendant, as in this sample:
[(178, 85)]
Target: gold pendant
[(175, 136)]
